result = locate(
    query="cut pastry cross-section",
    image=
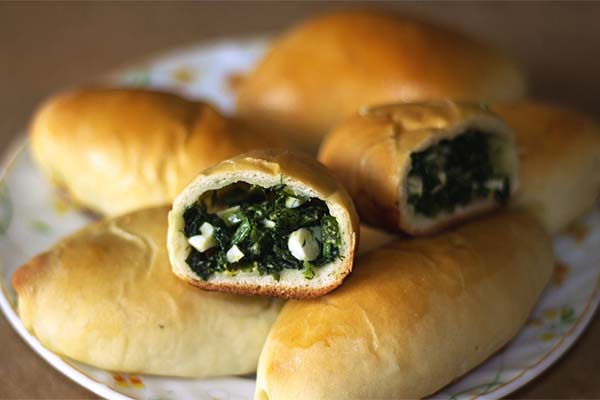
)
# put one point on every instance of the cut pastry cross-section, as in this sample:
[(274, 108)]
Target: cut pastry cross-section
[(419, 167), (271, 223)]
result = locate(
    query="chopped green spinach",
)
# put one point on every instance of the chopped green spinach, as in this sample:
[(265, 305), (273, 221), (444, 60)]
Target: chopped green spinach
[(259, 223), (453, 173)]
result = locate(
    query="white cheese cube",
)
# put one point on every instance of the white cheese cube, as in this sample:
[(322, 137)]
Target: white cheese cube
[(293, 202), (415, 185), (267, 223), (201, 242), (234, 254), (303, 245), (207, 229)]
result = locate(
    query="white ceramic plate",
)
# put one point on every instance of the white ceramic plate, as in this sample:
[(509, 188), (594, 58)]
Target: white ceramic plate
[(32, 218)]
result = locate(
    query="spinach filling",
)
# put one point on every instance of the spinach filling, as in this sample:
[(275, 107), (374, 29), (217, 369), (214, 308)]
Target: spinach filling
[(246, 227), (455, 172)]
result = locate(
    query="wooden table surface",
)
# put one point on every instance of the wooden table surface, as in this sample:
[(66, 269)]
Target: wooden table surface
[(45, 47)]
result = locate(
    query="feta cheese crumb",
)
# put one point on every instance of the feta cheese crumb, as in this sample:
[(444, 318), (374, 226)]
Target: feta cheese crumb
[(201, 242), (234, 254), (293, 202), (207, 229), (303, 245), (414, 185), (267, 223), (205, 240)]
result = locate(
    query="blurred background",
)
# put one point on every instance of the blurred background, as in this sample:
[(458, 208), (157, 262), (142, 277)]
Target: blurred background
[(47, 46)]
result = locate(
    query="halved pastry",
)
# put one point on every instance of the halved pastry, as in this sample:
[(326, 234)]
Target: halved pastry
[(268, 222), (419, 167), (106, 296), (117, 150)]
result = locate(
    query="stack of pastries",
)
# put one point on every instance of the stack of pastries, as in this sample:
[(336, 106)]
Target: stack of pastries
[(211, 221)]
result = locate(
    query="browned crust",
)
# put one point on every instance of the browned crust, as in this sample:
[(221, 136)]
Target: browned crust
[(370, 153), (405, 302), (106, 296), (324, 69), (87, 138), (559, 154), (26, 275)]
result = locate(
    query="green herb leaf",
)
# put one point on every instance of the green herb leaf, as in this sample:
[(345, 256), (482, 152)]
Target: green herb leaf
[(453, 173), (309, 271), (241, 232)]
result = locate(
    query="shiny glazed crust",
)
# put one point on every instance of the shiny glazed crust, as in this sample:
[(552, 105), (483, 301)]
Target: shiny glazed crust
[(559, 154), (269, 168), (106, 296), (370, 153), (324, 69), (414, 316), (118, 150)]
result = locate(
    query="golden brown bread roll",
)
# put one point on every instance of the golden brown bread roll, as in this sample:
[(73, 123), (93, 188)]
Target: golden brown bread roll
[(420, 167), (559, 154), (269, 222), (106, 296), (324, 69), (117, 150), (414, 316)]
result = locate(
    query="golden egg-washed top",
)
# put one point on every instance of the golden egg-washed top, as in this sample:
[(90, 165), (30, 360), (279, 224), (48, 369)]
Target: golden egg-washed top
[(106, 296), (324, 69), (414, 316), (116, 150)]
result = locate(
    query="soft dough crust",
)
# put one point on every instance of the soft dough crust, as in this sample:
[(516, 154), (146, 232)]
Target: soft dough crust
[(414, 316), (106, 296), (559, 155), (268, 168), (118, 150), (324, 69), (370, 153)]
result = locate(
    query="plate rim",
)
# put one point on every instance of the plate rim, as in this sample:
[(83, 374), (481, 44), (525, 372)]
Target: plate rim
[(556, 352)]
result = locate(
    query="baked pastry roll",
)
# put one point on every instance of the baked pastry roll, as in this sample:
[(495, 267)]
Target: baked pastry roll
[(269, 222), (118, 150), (419, 167), (329, 66), (106, 296), (559, 153), (373, 238), (414, 316)]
